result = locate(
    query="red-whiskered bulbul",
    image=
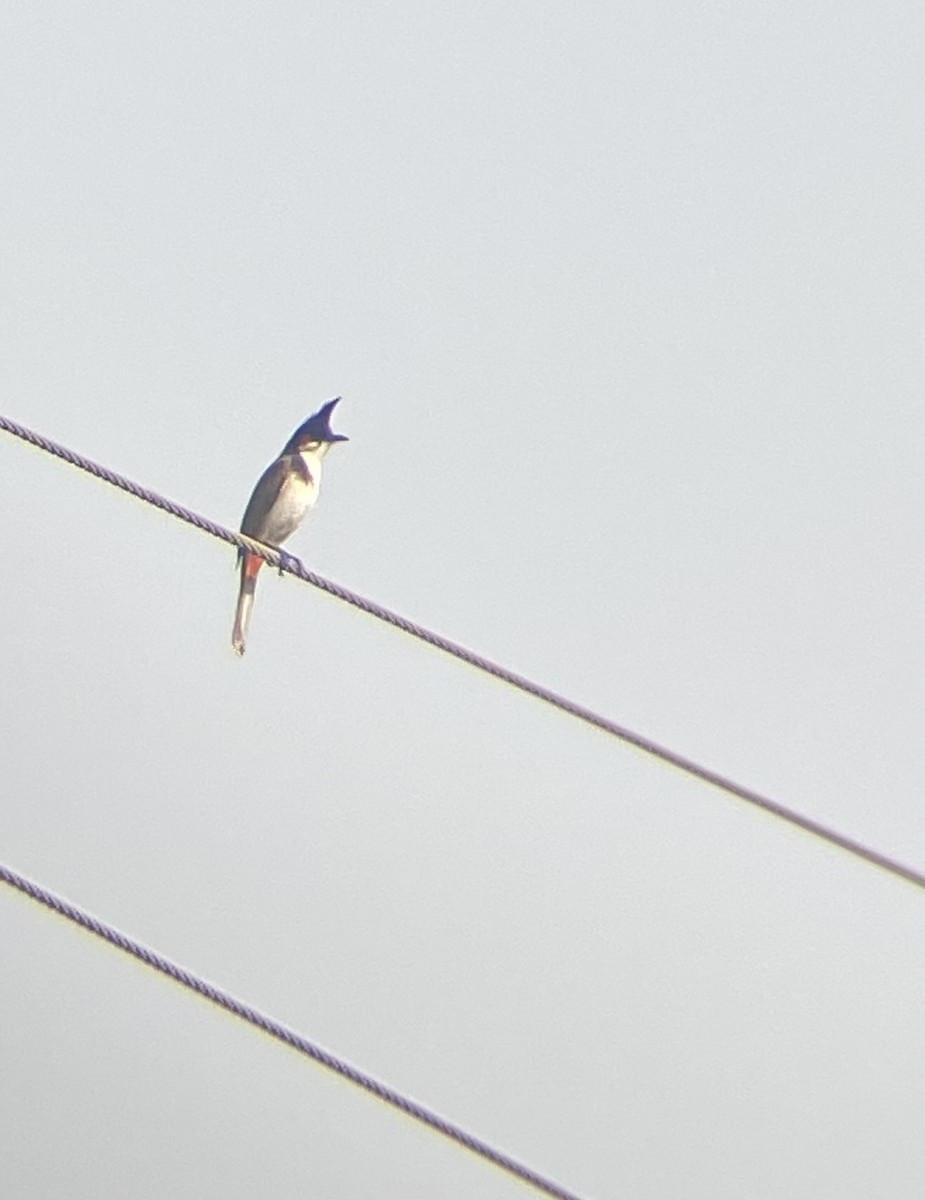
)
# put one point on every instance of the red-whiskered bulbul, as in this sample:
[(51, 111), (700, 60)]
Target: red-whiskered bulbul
[(285, 492)]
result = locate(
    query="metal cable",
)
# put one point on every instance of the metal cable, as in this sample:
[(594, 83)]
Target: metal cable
[(283, 1034), (293, 566)]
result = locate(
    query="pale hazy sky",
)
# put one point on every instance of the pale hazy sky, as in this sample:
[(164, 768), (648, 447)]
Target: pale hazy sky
[(625, 304)]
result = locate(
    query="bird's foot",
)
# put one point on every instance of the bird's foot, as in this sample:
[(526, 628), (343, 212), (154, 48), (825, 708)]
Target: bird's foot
[(288, 562)]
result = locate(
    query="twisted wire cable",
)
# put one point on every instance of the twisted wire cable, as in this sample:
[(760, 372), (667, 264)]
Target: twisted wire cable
[(293, 566), (282, 1033)]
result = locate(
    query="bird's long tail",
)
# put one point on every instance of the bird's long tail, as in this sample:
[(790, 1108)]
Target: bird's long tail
[(250, 567)]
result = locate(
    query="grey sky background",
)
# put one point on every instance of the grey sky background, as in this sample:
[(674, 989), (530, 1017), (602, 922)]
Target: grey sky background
[(625, 304)]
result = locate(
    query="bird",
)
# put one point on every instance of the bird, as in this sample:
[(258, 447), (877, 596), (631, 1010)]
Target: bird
[(284, 494)]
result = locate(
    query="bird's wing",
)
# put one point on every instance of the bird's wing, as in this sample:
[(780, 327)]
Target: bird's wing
[(257, 522)]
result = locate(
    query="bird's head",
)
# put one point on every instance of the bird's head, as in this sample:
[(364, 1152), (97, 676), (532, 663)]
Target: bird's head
[(315, 436)]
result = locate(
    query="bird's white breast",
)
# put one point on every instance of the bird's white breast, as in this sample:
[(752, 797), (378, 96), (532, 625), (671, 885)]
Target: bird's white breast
[(299, 492), (312, 461)]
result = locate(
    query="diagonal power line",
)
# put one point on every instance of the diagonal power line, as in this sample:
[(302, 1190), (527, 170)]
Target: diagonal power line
[(293, 566), (285, 1035)]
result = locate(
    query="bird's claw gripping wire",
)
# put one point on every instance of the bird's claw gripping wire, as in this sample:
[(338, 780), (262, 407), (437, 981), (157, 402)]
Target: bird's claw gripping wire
[(287, 562)]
